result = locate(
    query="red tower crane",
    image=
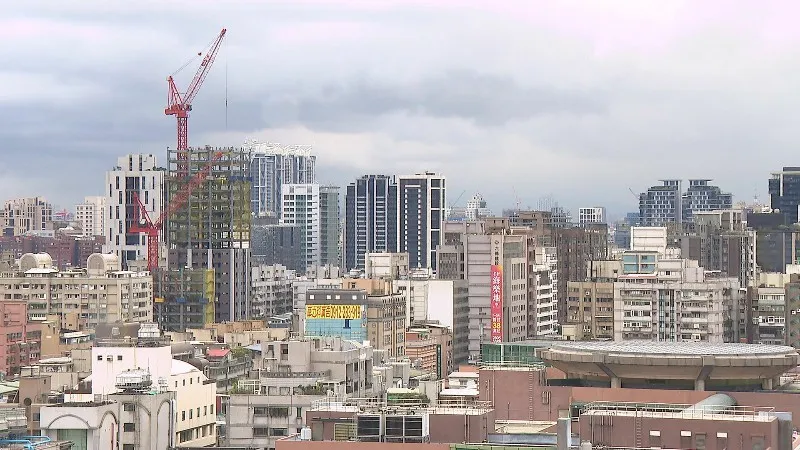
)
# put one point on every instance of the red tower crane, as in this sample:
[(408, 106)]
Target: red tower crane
[(179, 105), (143, 224)]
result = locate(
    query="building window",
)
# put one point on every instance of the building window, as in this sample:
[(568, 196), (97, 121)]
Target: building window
[(99, 357), (129, 427), (128, 407), (128, 447), (260, 432), (119, 357)]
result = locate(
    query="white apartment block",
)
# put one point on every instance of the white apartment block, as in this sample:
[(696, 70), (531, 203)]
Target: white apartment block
[(545, 289), (140, 174), (22, 215), (671, 299), (102, 293), (91, 216), (274, 165), (300, 207), (195, 396), (476, 208), (592, 214)]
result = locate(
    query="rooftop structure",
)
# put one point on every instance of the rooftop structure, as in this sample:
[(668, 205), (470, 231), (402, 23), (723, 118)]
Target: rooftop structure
[(699, 363)]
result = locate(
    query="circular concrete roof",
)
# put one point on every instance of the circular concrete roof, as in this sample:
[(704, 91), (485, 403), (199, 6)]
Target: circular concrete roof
[(678, 349), (670, 360)]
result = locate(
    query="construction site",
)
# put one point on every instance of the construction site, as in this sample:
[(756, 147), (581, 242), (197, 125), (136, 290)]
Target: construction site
[(208, 231)]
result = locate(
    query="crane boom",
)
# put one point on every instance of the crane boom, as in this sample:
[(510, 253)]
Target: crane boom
[(179, 105), (143, 224)]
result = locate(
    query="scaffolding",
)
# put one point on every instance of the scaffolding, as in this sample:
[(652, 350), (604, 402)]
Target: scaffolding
[(217, 214)]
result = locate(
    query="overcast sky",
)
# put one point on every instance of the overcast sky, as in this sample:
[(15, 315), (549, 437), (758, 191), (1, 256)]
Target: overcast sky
[(581, 101)]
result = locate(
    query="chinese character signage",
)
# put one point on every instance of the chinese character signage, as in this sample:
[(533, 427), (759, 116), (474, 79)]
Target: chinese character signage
[(496, 302), (347, 312)]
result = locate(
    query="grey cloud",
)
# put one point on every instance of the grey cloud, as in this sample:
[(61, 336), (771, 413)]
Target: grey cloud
[(487, 100)]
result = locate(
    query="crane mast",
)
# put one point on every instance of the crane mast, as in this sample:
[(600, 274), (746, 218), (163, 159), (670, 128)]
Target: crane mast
[(179, 105), (143, 223)]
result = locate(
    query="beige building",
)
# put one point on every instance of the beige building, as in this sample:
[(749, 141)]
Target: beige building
[(386, 313), (81, 298), (26, 214), (430, 348), (591, 305)]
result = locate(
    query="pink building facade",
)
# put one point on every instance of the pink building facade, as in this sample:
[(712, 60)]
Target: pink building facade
[(20, 340)]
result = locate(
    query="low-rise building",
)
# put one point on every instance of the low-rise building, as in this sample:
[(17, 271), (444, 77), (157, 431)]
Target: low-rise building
[(430, 348), (294, 374), (128, 347), (377, 316), (226, 367), (20, 339), (82, 298), (139, 416), (271, 290)]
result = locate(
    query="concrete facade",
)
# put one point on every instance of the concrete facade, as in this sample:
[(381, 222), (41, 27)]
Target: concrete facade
[(301, 208), (124, 421), (20, 339), (91, 216), (592, 214), (271, 291), (22, 215), (296, 373), (195, 394), (134, 174), (81, 298)]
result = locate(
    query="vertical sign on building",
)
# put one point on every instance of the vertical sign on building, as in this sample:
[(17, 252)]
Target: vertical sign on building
[(496, 289)]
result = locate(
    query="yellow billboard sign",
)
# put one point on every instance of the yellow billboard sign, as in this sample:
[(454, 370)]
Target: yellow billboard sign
[(333, 312)]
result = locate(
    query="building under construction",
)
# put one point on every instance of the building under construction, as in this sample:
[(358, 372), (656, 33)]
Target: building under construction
[(184, 298), (211, 231)]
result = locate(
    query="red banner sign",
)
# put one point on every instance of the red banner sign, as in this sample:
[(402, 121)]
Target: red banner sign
[(496, 302)]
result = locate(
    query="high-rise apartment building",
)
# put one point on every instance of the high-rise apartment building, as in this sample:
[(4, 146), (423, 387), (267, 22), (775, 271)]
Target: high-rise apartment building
[(91, 216), (370, 218), (22, 215), (469, 252), (784, 192), (476, 208), (592, 214), (661, 204), (211, 230), (701, 196), (274, 165), (134, 174), (330, 226), (421, 205), (300, 207)]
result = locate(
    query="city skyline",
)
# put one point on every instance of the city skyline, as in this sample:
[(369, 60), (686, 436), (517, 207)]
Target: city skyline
[(586, 102)]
